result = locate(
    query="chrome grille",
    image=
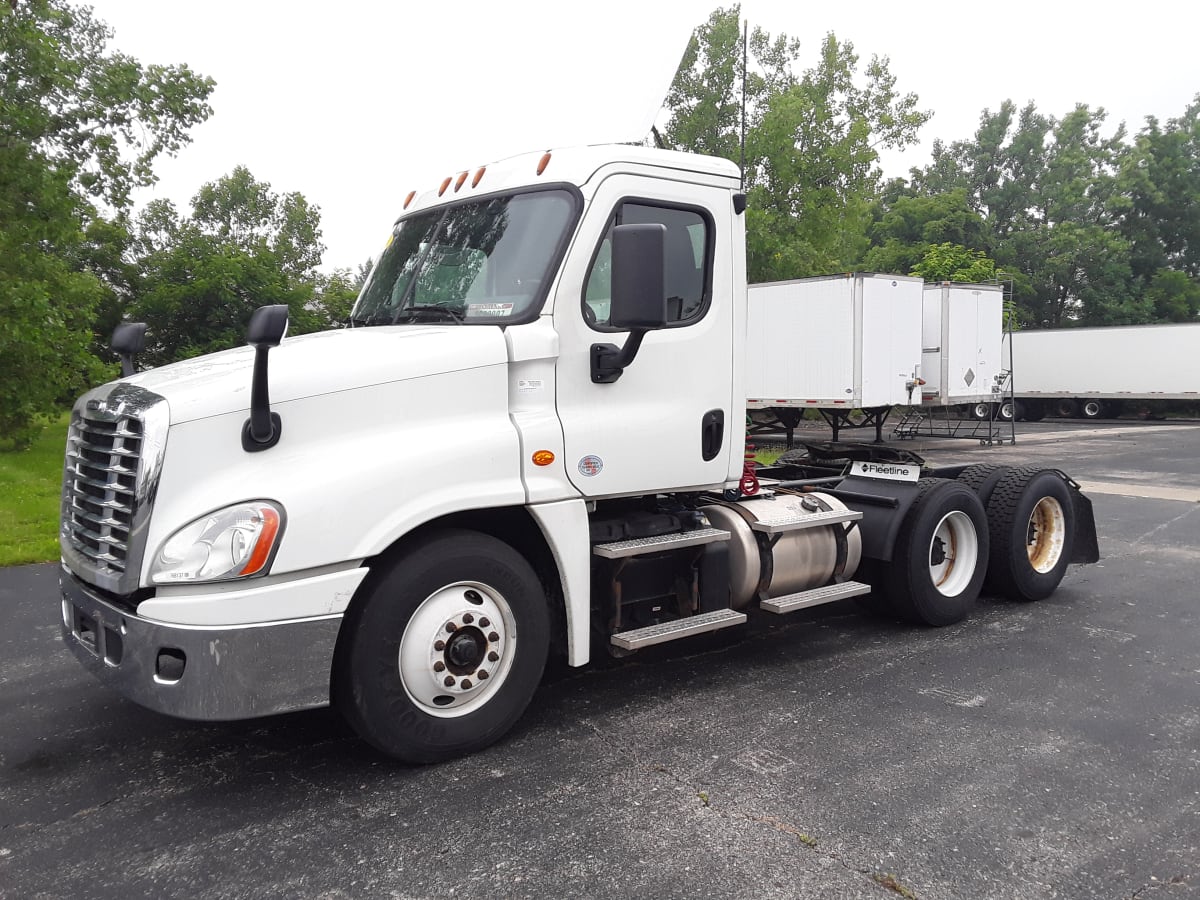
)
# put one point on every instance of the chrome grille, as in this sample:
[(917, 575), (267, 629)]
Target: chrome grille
[(114, 455), (101, 490)]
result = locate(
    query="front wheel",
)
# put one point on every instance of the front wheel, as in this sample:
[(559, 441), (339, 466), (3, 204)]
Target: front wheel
[(939, 560), (444, 652)]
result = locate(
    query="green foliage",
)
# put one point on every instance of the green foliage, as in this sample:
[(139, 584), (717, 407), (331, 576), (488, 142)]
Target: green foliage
[(954, 262), (1173, 296), (78, 126), (243, 246), (30, 488), (811, 139)]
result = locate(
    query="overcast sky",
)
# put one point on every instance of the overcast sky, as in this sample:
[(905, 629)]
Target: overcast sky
[(355, 103)]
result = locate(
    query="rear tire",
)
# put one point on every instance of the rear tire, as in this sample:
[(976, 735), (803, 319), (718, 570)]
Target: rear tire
[(939, 560), (443, 653), (1092, 409), (981, 412), (1031, 522), (982, 479)]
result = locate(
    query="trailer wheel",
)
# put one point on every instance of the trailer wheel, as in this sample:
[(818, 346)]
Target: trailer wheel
[(1031, 521), (446, 649), (1005, 412), (1092, 409), (982, 479), (939, 561), (1067, 408), (981, 412)]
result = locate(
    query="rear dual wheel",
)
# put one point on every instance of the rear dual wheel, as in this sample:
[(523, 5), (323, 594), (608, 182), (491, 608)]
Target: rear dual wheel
[(938, 563), (1031, 523)]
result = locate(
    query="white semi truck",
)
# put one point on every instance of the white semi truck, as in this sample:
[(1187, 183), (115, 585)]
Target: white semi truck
[(529, 440), (1094, 373)]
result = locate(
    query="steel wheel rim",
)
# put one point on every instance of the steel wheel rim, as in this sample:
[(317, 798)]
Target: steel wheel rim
[(953, 554), (457, 649), (1046, 535)]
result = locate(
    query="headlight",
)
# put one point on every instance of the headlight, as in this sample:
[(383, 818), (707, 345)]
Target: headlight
[(234, 542)]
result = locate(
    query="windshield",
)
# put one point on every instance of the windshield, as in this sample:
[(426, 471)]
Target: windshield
[(483, 262)]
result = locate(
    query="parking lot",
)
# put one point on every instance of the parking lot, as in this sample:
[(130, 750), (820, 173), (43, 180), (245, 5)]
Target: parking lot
[(1041, 750)]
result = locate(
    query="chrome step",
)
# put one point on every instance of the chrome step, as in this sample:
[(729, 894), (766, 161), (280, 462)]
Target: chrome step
[(794, 522), (680, 628), (673, 541), (804, 599)]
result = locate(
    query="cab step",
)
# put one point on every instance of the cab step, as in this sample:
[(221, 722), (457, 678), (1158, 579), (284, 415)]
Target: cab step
[(660, 542), (782, 523), (804, 599), (679, 628)]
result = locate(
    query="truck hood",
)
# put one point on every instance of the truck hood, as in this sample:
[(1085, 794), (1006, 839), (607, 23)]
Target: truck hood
[(323, 363)]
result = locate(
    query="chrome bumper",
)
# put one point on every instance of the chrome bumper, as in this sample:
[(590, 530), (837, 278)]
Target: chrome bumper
[(197, 672)]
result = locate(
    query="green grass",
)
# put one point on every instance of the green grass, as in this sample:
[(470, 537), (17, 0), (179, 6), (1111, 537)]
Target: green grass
[(30, 483)]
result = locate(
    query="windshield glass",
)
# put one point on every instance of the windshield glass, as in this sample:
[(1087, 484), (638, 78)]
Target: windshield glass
[(480, 263)]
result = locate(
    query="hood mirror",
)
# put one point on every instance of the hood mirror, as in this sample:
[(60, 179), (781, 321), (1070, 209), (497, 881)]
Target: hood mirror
[(267, 327)]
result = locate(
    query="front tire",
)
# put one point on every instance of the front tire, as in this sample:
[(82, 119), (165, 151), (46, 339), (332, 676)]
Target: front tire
[(939, 560), (1031, 520), (443, 653)]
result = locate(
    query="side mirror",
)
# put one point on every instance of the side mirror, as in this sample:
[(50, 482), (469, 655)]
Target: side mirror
[(639, 277), (267, 327), (128, 338), (639, 295)]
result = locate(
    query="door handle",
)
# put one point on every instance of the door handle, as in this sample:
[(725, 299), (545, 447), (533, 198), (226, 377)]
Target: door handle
[(712, 433)]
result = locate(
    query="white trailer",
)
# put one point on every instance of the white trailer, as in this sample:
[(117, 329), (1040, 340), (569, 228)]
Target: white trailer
[(961, 337), (1093, 372), (833, 343), (285, 525)]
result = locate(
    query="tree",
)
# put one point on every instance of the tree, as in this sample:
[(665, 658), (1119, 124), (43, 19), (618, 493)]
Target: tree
[(811, 143), (79, 126), (243, 246), (954, 262)]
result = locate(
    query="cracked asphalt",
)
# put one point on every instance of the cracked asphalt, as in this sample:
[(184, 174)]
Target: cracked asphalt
[(1041, 750)]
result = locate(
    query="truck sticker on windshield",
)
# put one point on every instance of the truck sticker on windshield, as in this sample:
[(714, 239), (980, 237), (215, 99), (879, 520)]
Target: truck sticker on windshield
[(489, 309), (889, 471), (590, 466)]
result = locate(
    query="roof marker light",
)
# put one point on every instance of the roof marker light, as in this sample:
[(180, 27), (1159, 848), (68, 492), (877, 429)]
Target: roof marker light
[(544, 162), (460, 181), (478, 176), (409, 198), (442, 189)]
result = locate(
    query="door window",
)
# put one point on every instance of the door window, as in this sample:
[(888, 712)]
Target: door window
[(688, 263)]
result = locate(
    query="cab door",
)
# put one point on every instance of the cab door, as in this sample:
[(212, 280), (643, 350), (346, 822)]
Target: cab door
[(665, 423)]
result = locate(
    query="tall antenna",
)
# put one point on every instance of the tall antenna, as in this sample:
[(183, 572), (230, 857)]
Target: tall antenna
[(742, 164)]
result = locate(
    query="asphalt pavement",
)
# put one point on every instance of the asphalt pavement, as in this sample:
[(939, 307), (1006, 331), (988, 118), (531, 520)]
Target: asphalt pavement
[(1040, 750)]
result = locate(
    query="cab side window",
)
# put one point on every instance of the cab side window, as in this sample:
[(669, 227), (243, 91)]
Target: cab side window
[(688, 263)]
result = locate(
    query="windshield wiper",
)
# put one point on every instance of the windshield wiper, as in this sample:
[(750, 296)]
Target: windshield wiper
[(415, 312)]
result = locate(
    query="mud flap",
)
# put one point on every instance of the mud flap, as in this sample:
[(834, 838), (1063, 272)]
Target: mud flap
[(1086, 548)]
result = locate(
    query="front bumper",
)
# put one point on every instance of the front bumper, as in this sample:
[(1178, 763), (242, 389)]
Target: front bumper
[(200, 672)]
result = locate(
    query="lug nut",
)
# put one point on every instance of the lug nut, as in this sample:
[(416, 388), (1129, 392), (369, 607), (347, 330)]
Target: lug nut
[(466, 684), (493, 637), (483, 674), (449, 682), (484, 623), (439, 666), (451, 627), (439, 645), (468, 618), (493, 656)]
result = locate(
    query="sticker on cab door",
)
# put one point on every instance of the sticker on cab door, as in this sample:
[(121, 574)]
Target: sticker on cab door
[(886, 471), (590, 466)]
